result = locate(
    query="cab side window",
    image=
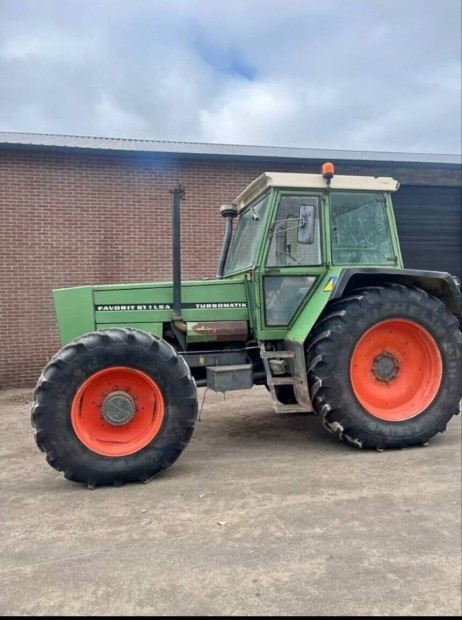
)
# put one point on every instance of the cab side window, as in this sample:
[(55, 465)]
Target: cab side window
[(360, 234)]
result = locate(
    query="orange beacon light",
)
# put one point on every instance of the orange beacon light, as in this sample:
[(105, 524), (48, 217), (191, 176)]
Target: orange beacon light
[(328, 171)]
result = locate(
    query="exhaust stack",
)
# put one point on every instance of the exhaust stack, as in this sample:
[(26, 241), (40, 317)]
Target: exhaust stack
[(229, 212), (178, 196)]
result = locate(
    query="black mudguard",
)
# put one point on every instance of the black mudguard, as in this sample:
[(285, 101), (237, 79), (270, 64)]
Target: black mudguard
[(437, 283)]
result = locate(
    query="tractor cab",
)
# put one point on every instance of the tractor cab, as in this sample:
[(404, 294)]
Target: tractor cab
[(294, 229)]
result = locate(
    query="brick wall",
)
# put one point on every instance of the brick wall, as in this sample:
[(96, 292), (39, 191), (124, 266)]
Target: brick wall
[(68, 219)]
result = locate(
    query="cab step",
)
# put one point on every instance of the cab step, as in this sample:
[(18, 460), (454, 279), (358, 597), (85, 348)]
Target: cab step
[(283, 381), (271, 365), (280, 408), (277, 354)]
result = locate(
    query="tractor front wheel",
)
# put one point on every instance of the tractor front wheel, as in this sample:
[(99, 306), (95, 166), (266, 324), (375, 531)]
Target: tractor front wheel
[(384, 367), (114, 406)]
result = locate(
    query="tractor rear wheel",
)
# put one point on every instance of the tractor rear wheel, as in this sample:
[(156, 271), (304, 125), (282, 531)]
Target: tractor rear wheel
[(384, 367), (114, 406)]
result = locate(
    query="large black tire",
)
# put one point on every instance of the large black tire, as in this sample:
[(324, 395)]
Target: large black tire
[(141, 354), (330, 368)]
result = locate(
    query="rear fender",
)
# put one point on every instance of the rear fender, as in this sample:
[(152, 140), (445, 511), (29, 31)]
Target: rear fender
[(437, 283)]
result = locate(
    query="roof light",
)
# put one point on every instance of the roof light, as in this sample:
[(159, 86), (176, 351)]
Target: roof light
[(328, 171)]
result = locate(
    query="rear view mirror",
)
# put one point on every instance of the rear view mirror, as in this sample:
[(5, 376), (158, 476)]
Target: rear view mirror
[(306, 226)]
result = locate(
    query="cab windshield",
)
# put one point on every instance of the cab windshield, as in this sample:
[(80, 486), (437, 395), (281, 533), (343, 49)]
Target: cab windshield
[(246, 239)]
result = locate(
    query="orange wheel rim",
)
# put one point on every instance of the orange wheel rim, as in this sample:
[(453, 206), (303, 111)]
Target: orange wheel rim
[(396, 370), (117, 411)]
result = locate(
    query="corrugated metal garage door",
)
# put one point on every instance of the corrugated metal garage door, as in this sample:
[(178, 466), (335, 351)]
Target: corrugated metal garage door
[(429, 221)]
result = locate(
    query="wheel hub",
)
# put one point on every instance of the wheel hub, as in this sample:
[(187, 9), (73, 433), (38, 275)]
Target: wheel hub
[(118, 408), (385, 367)]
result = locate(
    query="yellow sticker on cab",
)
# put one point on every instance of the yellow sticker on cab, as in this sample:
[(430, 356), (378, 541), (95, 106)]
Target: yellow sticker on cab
[(330, 284)]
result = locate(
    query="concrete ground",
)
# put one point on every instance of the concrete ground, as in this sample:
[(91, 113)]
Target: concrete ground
[(262, 514)]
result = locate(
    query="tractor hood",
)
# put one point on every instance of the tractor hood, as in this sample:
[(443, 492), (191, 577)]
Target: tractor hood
[(147, 306)]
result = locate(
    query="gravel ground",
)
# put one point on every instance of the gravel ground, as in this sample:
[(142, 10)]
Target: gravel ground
[(262, 514)]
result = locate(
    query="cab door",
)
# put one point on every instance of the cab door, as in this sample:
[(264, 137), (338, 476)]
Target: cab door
[(294, 260)]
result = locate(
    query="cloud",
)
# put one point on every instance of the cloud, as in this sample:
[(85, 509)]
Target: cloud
[(382, 75), (250, 108)]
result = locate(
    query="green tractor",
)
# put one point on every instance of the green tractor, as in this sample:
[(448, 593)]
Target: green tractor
[(311, 299)]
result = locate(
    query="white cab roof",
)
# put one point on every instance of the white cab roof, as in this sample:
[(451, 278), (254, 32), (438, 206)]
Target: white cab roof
[(313, 181)]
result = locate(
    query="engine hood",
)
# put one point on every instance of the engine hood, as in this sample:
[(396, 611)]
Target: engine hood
[(148, 305)]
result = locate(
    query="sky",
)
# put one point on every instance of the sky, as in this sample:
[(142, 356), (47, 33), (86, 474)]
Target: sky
[(382, 75)]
